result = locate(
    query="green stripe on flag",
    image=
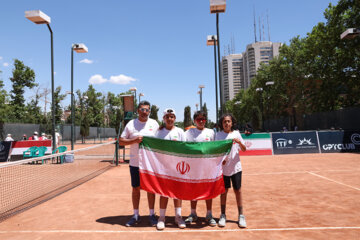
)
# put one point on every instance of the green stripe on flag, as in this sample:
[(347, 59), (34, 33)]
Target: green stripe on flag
[(186, 148), (256, 136)]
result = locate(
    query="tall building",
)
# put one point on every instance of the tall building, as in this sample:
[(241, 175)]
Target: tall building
[(239, 69), (232, 76)]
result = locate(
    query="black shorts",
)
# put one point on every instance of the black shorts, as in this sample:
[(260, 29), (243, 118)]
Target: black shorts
[(135, 177), (235, 180)]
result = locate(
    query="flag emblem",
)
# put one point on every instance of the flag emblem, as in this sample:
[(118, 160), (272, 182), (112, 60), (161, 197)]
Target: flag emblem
[(183, 167)]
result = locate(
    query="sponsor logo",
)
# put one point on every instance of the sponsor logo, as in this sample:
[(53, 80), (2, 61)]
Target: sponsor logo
[(283, 143), (305, 142), (355, 138), (347, 146), (183, 167)]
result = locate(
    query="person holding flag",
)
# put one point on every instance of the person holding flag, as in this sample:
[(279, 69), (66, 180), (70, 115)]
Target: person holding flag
[(133, 135), (232, 171), (169, 132), (200, 134)]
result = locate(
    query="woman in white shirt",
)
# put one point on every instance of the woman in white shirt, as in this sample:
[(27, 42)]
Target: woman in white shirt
[(232, 171), (169, 132), (200, 134)]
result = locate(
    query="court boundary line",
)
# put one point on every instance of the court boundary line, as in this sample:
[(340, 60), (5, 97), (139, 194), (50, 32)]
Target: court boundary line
[(184, 230), (331, 180), (300, 172)]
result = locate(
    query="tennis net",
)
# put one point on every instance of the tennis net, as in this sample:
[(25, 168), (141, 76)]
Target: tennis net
[(27, 183)]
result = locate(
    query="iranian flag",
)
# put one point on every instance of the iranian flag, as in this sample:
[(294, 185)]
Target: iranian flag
[(182, 170)]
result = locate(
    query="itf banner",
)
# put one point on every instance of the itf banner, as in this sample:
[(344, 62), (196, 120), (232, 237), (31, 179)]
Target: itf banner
[(339, 141), (4, 151), (257, 144), (295, 142), (182, 170)]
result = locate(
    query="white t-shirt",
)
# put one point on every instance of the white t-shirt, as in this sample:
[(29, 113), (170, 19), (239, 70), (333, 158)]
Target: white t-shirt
[(175, 134), (136, 128), (8, 139), (196, 135), (233, 164)]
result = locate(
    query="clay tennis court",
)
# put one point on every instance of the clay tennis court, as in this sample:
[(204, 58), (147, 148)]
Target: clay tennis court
[(307, 196)]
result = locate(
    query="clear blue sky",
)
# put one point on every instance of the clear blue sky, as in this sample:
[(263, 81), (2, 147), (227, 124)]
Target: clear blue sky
[(157, 46)]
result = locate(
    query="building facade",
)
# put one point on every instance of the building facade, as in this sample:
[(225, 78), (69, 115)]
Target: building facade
[(239, 69)]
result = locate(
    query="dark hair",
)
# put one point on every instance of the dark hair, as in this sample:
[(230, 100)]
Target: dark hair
[(198, 113), (233, 120), (143, 103)]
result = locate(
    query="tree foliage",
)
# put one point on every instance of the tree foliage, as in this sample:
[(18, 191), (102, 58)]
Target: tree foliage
[(187, 117)]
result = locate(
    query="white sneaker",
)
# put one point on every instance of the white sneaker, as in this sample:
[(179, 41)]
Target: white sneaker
[(242, 222), (180, 222), (222, 220), (160, 225)]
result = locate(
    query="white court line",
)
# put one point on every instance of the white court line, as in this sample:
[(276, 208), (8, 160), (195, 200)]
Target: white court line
[(186, 231), (334, 181), (299, 172)]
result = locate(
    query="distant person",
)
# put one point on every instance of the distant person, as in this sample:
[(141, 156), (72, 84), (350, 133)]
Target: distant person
[(9, 138), (57, 138), (284, 129), (43, 136), (34, 136), (133, 135), (248, 129), (24, 138), (295, 128)]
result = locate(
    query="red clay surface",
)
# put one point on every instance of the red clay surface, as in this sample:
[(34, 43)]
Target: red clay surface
[(308, 196)]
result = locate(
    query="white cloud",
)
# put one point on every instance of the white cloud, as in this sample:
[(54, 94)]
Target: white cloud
[(5, 64), (87, 61), (97, 79), (121, 79)]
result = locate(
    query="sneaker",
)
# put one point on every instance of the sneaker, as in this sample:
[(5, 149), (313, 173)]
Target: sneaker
[(242, 222), (160, 225), (133, 221), (222, 220), (211, 221), (152, 220), (191, 218), (180, 222)]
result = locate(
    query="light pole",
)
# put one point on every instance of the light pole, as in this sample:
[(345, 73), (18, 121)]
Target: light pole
[(218, 6), (38, 17), (79, 48), (197, 105), (200, 92), (140, 95), (350, 33), (133, 89), (211, 40), (261, 90)]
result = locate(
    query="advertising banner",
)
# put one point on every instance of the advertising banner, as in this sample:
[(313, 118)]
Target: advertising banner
[(339, 141), (4, 151), (257, 144), (295, 142)]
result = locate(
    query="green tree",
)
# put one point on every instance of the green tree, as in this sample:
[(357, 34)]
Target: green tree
[(154, 112), (95, 108), (22, 77), (187, 117), (58, 97)]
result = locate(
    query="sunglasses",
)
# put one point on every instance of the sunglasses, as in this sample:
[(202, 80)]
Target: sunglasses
[(200, 119), (170, 111), (144, 109)]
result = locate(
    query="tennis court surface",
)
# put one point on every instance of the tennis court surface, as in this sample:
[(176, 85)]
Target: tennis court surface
[(307, 196)]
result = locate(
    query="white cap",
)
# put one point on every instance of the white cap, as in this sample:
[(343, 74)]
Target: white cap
[(35, 133), (9, 135), (169, 111), (43, 134)]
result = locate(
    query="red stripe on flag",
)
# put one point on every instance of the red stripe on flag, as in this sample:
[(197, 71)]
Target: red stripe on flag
[(27, 144), (256, 152), (181, 190)]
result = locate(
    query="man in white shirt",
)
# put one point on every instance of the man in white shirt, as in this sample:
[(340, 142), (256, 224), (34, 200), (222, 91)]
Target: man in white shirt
[(133, 135), (9, 138)]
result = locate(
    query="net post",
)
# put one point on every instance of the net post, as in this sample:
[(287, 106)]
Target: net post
[(117, 152)]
